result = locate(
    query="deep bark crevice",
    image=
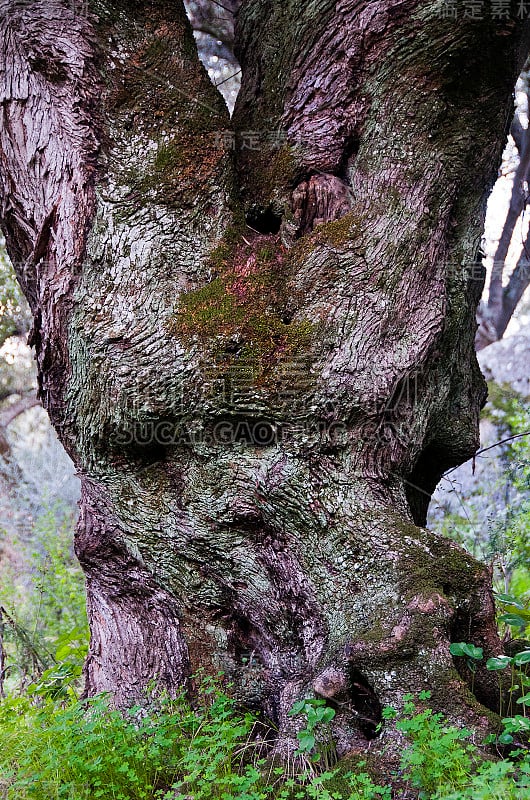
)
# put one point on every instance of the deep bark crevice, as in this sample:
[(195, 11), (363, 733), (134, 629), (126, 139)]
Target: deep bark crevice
[(365, 704), (264, 219), (483, 683), (434, 461)]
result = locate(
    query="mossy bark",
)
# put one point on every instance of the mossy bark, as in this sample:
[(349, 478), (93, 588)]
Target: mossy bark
[(253, 498)]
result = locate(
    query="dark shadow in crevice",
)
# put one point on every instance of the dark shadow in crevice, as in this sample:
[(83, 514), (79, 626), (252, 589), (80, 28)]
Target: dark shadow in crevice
[(482, 683), (351, 149), (263, 219), (365, 703), (245, 640), (422, 481)]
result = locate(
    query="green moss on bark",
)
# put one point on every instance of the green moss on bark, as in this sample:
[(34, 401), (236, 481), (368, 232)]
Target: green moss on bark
[(183, 168), (242, 315), (268, 175), (336, 234)]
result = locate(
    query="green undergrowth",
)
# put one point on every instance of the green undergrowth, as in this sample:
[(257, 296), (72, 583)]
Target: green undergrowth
[(42, 603), (444, 762), (209, 748), (84, 749), (54, 745)]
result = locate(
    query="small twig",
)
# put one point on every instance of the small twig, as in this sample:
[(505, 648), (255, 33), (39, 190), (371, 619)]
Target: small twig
[(227, 79), (25, 638), (491, 446), (226, 8), (463, 505)]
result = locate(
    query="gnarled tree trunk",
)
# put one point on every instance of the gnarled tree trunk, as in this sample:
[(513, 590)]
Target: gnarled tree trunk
[(257, 346)]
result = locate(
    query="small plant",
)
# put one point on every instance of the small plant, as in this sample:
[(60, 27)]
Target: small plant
[(62, 680), (315, 741), (494, 780), (332, 786), (43, 603), (438, 758), (516, 614), (442, 764), (471, 653), (520, 682)]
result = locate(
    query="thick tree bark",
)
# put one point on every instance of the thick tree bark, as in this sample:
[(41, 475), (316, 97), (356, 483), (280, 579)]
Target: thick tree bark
[(259, 414)]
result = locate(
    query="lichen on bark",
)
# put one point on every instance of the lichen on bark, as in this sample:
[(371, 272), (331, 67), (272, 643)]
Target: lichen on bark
[(269, 528)]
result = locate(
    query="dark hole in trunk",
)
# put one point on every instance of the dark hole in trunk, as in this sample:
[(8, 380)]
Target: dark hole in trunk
[(263, 219), (146, 442), (481, 682), (365, 703), (351, 148)]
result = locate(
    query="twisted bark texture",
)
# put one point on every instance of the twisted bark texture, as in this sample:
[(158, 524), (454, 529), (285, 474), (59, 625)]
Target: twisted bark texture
[(260, 409)]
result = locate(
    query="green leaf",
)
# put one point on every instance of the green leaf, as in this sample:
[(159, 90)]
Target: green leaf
[(328, 714), (513, 620), (298, 708), (306, 740), (62, 652), (498, 662), (505, 738), (522, 658), (510, 599), (466, 649), (524, 700), (517, 723)]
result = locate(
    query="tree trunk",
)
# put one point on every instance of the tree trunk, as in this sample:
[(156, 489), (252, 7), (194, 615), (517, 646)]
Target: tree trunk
[(259, 411), (494, 317)]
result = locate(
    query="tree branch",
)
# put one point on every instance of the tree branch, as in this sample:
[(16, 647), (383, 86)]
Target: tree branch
[(517, 203), (7, 415), (216, 19), (517, 285)]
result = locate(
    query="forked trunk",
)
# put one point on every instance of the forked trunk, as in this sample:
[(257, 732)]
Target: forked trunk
[(256, 338)]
